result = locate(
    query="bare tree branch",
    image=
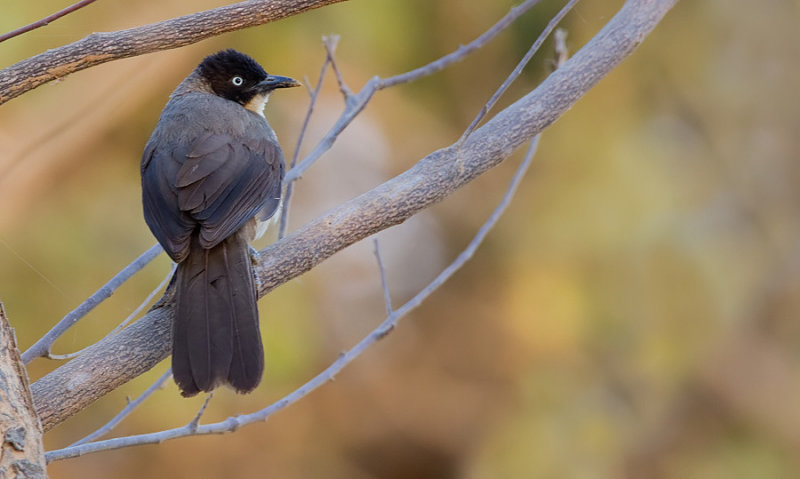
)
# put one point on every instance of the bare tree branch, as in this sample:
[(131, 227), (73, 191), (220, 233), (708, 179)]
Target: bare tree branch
[(127, 320), (330, 46), (116, 360), (461, 52), (517, 70), (355, 103), (102, 47), (233, 423), (46, 20), (387, 296), (110, 425), (195, 422), (42, 347)]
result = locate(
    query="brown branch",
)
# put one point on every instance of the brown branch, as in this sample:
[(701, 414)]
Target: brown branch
[(46, 20), (102, 47), (22, 450), (116, 360)]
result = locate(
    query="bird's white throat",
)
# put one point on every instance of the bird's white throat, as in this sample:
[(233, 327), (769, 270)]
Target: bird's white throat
[(257, 103)]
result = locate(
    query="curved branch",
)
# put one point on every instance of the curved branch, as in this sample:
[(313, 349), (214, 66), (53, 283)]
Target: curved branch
[(112, 362), (103, 47)]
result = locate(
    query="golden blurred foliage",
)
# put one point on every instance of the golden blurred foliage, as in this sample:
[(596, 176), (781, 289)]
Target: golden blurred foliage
[(634, 313)]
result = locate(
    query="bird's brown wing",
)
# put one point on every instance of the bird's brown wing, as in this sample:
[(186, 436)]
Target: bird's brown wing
[(217, 183), (171, 226)]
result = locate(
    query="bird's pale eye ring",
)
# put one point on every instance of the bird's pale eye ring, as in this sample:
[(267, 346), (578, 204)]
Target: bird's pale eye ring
[(237, 80)]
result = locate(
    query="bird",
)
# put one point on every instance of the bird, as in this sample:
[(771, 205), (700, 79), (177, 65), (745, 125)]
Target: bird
[(212, 176)]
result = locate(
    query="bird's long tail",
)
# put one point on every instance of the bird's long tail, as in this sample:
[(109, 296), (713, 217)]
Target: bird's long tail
[(215, 335)]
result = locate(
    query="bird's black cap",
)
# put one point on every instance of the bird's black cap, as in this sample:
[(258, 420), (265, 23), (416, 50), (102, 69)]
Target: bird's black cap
[(237, 77)]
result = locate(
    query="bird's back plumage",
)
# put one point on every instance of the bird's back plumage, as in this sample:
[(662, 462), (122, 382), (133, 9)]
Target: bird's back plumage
[(211, 168)]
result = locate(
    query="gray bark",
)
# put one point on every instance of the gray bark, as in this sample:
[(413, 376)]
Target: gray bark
[(22, 453)]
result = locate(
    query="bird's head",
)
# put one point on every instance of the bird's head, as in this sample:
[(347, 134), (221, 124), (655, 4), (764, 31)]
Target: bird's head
[(237, 77)]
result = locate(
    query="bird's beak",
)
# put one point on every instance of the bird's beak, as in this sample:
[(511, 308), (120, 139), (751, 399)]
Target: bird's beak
[(273, 82)]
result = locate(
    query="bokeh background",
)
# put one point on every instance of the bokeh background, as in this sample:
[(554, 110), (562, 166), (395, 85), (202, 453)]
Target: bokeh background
[(634, 314)]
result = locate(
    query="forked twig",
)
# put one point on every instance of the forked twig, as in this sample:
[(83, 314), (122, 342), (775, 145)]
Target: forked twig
[(330, 46), (357, 102), (517, 71)]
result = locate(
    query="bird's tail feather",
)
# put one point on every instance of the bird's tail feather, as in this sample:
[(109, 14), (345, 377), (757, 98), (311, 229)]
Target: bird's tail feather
[(216, 338)]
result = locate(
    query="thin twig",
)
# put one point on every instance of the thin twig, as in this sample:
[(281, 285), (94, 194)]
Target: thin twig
[(462, 51), (110, 425), (287, 197), (195, 422), (357, 102), (41, 348), (45, 20), (127, 320), (517, 71), (387, 296), (473, 246), (560, 48), (101, 47), (233, 423), (307, 83), (330, 47)]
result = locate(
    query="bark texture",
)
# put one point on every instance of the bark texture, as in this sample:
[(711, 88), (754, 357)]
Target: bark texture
[(102, 47), (22, 453)]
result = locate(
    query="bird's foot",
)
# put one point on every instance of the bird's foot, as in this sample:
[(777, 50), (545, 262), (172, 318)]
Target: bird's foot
[(254, 260)]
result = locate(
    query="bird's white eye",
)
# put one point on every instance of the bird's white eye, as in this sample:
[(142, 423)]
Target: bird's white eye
[(237, 80)]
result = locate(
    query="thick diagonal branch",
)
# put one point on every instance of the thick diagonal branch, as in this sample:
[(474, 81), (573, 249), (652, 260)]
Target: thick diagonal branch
[(116, 360)]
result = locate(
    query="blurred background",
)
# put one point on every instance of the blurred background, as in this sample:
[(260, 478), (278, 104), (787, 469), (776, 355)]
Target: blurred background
[(634, 313)]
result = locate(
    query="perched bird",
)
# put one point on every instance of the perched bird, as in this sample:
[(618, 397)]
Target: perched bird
[(211, 181)]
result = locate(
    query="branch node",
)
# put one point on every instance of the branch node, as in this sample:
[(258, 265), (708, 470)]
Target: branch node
[(196, 421), (234, 422), (384, 330)]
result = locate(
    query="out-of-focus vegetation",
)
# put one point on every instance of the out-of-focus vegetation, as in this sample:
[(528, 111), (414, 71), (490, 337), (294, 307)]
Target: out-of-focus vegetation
[(634, 314)]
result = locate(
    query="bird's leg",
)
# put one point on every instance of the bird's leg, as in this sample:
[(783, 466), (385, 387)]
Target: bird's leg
[(254, 260)]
